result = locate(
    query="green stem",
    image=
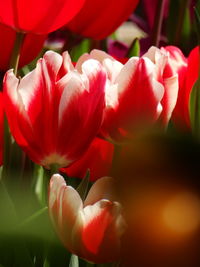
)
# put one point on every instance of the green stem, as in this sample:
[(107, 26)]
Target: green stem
[(74, 262), (54, 168), (7, 137), (14, 61), (158, 23), (183, 6)]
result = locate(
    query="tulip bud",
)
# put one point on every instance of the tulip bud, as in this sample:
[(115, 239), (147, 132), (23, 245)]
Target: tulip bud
[(92, 229)]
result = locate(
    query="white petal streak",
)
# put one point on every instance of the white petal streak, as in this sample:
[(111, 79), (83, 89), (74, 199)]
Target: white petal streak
[(81, 60), (53, 62), (56, 182), (113, 68), (29, 85), (126, 73), (111, 95), (11, 84), (91, 212), (73, 86), (91, 68), (50, 66), (67, 63), (100, 55)]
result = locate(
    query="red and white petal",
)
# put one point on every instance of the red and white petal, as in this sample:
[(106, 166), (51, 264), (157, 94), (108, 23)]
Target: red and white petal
[(67, 65), (103, 188), (100, 236), (170, 98), (81, 105), (81, 60), (177, 59), (159, 58), (64, 206), (57, 182), (13, 105)]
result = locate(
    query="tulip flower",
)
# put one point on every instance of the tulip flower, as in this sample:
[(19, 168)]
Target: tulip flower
[(98, 159), (32, 42), (54, 112), (38, 16), (189, 75), (141, 91), (94, 19), (92, 229)]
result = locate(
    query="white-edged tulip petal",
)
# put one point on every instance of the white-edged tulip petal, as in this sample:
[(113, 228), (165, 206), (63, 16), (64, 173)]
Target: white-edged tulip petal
[(102, 189)]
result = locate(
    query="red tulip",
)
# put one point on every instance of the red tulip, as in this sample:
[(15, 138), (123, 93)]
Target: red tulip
[(32, 42), (92, 229), (99, 18), (54, 112), (38, 16), (142, 90), (98, 159), (188, 76)]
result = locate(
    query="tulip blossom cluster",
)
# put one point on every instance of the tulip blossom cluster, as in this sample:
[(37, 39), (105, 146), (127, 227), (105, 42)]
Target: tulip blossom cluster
[(99, 105), (56, 110)]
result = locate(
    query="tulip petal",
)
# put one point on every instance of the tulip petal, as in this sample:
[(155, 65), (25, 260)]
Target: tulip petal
[(87, 93), (94, 20), (64, 205), (36, 16), (100, 232), (102, 189)]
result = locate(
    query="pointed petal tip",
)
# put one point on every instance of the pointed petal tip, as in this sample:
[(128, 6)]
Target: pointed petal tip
[(57, 178)]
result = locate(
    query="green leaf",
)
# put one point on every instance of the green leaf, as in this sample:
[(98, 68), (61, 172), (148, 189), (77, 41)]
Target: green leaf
[(40, 184), (74, 261), (82, 189), (80, 49), (194, 108), (134, 49), (46, 263), (197, 21), (34, 216)]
